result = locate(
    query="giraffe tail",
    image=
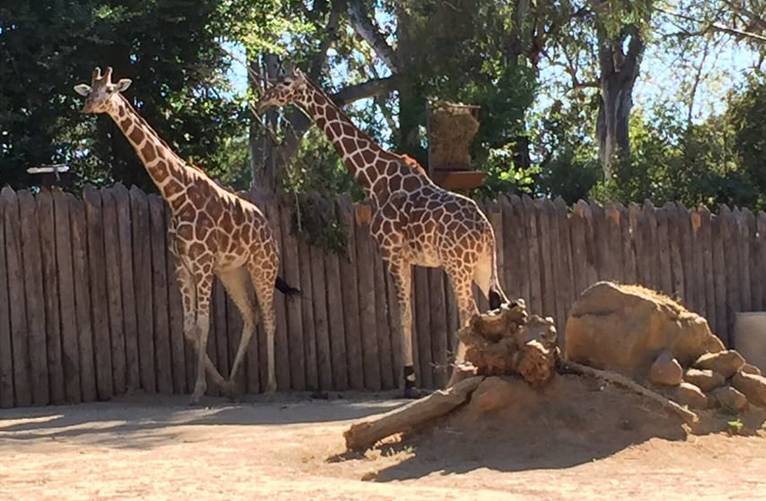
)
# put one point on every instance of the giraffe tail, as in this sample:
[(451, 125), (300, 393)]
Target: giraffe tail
[(496, 295), (285, 288)]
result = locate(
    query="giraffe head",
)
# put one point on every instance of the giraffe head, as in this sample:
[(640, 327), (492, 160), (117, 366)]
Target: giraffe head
[(291, 88), (100, 94)]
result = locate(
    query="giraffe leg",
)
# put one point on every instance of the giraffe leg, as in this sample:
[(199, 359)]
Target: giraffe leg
[(461, 285), (189, 300), (235, 282), (203, 290), (263, 282), (401, 272)]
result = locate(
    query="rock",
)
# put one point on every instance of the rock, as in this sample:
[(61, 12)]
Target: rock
[(729, 398), (624, 328), (725, 363), (666, 371), (704, 379), (751, 369), (752, 385), (690, 395)]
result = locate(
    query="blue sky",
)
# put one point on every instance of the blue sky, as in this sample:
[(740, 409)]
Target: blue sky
[(660, 80)]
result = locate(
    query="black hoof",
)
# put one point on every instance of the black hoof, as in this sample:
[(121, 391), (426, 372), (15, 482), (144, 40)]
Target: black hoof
[(413, 393)]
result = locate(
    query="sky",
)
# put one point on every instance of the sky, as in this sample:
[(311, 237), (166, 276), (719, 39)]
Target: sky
[(659, 81)]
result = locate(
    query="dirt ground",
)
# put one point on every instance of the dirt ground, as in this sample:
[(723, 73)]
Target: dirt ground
[(157, 447)]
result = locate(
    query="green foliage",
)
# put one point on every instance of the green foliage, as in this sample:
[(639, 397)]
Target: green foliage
[(747, 111), (172, 53), (672, 161)]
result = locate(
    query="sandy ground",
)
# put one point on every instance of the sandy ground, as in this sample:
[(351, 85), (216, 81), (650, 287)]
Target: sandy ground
[(159, 448)]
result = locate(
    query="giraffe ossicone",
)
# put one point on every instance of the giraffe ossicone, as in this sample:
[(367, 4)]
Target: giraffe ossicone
[(212, 232), (415, 222)]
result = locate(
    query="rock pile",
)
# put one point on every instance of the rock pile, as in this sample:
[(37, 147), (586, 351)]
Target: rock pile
[(656, 341)]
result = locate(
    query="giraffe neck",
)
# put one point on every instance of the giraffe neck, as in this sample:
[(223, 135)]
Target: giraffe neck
[(160, 161), (371, 165)]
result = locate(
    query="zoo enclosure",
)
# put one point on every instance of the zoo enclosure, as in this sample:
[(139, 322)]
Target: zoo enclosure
[(89, 307)]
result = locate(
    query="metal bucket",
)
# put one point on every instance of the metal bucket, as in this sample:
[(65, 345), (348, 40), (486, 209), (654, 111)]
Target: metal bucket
[(750, 337)]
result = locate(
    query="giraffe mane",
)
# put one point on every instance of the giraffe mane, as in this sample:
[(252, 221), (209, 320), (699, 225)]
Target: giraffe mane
[(413, 164)]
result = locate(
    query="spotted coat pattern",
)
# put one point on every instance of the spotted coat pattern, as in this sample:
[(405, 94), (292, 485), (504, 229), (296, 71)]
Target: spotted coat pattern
[(415, 222), (212, 233)]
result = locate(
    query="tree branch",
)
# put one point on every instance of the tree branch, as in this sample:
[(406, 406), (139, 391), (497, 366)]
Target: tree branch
[(370, 88), (368, 30), (715, 26)]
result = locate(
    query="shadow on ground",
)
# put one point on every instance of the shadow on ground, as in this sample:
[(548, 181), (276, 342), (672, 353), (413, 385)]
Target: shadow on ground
[(509, 427), (145, 421)]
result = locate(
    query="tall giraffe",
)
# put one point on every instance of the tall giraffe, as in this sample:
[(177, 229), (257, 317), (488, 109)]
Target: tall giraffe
[(415, 222), (212, 233)]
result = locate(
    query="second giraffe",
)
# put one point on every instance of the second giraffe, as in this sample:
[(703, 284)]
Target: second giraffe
[(415, 222)]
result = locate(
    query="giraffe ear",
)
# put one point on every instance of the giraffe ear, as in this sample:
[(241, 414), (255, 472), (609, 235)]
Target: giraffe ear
[(82, 89), (123, 84)]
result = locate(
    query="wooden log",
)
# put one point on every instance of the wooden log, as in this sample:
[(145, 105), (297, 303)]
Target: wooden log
[(335, 318), (160, 295), (708, 268), (663, 248), (578, 229), (686, 415), (127, 286), (422, 338), (439, 331), (629, 217), (697, 277), (562, 273), (307, 315), (651, 258), (281, 345), (515, 270), (291, 265), (182, 377), (533, 250), (46, 225), (33, 285), (6, 347), (744, 242), (636, 218), (718, 238), (674, 239), (683, 226), (366, 288), (600, 232), (80, 265), (142, 276), (732, 278), (614, 222), (114, 290), (542, 209), (70, 355), (98, 295), (319, 299), (365, 434), (219, 338), (756, 282), (384, 331), (761, 256), (350, 298)]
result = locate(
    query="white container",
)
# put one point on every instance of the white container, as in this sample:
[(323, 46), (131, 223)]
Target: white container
[(750, 337)]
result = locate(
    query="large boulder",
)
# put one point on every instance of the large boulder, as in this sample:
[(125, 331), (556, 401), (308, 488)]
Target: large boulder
[(729, 398), (704, 379), (725, 363), (752, 385), (624, 328), (690, 395), (666, 371)]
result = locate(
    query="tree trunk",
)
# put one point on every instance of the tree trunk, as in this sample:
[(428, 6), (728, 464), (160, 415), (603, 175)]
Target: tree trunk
[(263, 152), (618, 73)]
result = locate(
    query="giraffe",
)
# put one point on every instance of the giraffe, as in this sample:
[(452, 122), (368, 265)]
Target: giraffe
[(414, 222), (212, 232)]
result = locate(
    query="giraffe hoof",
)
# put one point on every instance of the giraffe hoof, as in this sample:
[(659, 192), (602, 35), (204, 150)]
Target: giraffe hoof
[(231, 390), (413, 393)]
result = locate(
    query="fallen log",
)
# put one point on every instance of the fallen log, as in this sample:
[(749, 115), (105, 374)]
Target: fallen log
[(365, 434), (688, 416)]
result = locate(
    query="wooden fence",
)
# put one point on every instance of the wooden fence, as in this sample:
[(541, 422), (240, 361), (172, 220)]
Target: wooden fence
[(89, 307)]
